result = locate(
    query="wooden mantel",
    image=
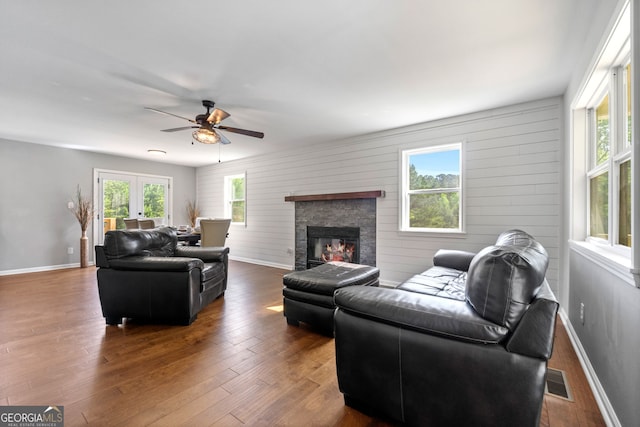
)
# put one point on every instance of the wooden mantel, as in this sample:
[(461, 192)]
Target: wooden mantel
[(336, 196)]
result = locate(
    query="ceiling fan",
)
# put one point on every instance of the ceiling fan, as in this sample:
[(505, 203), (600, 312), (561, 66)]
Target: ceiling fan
[(208, 125)]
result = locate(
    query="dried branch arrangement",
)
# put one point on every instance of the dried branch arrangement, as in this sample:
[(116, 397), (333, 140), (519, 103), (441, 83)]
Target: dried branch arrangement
[(82, 209), (193, 212)]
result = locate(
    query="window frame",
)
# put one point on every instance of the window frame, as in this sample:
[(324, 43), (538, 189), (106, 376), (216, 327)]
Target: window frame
[(405, 192), (229, 200), (614, 85), (621, 261)]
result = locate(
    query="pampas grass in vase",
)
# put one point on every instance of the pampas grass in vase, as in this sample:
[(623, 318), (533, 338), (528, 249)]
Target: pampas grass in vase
[(192, 213), (83, 211)]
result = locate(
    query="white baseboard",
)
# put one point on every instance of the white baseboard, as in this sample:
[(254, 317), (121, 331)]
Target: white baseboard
[(599, 394), (39, 269), (261, 262)]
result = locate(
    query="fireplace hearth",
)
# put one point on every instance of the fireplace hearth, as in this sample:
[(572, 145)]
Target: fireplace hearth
[(325, 244)]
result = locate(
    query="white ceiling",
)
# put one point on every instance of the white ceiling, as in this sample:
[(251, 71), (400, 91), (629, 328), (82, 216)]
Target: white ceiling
[(78, 73)]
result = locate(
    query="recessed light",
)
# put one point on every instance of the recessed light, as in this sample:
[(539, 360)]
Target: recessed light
[(157, 152)]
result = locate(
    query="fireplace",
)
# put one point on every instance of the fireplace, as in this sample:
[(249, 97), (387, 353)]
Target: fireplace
[(326, 244), (355, 210)]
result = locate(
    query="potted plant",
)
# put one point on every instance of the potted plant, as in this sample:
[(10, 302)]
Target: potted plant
[(83, 210)]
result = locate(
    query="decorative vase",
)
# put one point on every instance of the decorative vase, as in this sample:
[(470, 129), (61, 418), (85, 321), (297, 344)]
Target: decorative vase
[(84, 249)]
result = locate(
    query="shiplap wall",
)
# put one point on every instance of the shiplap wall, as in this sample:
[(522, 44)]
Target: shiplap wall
[(512, 180)]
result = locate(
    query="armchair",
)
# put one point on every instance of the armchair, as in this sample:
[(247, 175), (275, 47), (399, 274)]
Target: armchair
[(144, 274), (464, 343)]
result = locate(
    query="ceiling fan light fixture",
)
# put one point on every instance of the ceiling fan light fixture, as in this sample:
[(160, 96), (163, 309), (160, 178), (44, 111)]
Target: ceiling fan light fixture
[(206, 136)]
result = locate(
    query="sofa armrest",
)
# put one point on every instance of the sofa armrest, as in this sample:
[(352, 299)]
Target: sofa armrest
[(458, 260), (206, 254), (429, 314), (153, 263), (101, 257), (535, 333)]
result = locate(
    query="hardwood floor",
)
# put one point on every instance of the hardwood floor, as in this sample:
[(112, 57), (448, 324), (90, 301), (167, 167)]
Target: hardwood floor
[(239, 363)]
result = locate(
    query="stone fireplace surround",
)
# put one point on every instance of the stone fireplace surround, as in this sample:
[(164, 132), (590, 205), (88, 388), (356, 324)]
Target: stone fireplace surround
[(357, 209)]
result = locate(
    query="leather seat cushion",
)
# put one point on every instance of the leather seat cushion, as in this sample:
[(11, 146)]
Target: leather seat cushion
[(326, 278), (439, 281), (427, 313)]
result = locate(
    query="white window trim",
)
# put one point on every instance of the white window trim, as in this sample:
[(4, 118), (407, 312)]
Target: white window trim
[(403, 226)]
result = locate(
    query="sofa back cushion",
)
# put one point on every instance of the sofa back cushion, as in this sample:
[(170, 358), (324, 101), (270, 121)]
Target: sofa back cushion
[(504, 278), (153, 242)]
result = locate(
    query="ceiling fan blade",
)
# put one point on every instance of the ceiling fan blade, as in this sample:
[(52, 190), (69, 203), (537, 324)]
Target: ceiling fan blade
[(180, 128), (242, 131), (217, 115), (223, 139), (169, 114)]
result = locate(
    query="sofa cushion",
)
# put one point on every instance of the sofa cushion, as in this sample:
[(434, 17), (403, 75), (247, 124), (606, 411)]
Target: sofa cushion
[(439, 281), (154, 242), (426, 313), (504, 278)]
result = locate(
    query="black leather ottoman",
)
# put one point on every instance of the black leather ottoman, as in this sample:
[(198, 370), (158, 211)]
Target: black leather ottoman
[(308, 294)]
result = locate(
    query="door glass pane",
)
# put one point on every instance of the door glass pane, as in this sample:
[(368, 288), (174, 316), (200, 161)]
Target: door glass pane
[(115, 202), (603, 143), (624, 232), (154, 202), (599, 206)]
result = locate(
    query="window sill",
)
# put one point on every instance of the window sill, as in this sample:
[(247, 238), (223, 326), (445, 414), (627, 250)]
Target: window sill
[(606, 258), (443, 234)]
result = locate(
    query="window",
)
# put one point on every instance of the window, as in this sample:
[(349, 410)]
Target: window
[(609, 171), (602, 158), (235, 198), (432, 189)]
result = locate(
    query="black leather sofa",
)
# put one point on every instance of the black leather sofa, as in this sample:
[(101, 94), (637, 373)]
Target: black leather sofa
[(464, 343), (145, 275)]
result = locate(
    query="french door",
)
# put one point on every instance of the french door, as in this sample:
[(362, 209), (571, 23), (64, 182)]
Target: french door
[(123, 195)]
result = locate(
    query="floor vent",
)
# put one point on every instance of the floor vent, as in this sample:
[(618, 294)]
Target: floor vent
[(557, 385)]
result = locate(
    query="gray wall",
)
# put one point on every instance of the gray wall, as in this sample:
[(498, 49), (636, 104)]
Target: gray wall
[(37, 181), (609, 333)]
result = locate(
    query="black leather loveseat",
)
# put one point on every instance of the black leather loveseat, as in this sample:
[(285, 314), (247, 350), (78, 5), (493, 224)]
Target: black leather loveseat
[(464, 343), (145, 275)]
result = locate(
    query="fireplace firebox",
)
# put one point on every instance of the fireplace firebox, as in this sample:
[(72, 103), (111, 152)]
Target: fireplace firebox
[(326, 244)]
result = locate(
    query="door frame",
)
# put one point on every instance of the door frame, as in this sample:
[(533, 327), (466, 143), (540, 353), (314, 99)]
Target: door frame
[(98, 226)]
